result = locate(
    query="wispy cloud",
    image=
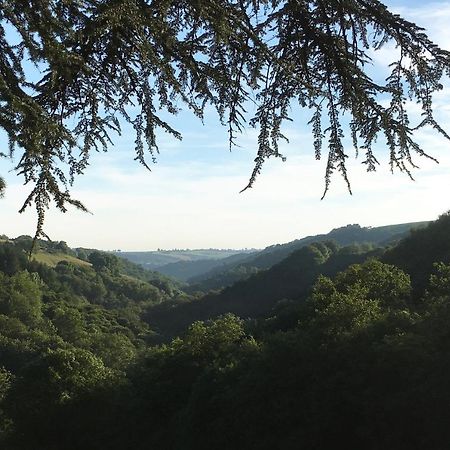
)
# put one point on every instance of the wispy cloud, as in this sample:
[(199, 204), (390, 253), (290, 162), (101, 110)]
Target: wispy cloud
[(191, 198)]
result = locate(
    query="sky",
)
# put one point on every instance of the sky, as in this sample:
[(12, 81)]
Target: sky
[(191, 198)]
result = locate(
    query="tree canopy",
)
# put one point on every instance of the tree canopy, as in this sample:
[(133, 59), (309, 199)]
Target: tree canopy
[(334, 348), (98, 61)]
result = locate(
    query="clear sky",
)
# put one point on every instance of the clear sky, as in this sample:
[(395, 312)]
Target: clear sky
[(191, 198)]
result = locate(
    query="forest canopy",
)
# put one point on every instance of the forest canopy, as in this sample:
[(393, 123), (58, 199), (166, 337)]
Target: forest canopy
[(97, 62), (343, 347)]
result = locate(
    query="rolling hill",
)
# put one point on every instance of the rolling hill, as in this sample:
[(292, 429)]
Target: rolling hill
[(231, 271)]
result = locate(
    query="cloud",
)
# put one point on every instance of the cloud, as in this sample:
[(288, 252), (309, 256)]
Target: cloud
[(191, 198), (199, 206), (433, 16)]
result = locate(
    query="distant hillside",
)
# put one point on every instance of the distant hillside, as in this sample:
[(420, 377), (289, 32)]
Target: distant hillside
[(184, 270), (226, 275), (256, 296), (56, 254), (46, 252), (292, 278), (52, 259), (155, 260)]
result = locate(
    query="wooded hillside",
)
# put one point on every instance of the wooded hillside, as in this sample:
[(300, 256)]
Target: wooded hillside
[(341, 347)]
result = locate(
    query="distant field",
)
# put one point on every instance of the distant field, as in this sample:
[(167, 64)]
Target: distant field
[(154, 259), (52, 259)]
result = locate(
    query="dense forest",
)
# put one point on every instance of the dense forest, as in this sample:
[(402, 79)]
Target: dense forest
[(334, 346)]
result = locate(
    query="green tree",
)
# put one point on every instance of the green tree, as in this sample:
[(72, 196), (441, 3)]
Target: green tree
[(101, 61), (11, 259), (115, 350), (47, 384), (69, 324), (383, 282), (214, 342), (5, 385), (102, 261), (20, 297)]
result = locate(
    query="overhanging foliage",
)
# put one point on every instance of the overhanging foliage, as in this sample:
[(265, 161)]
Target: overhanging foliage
[(99, 60)]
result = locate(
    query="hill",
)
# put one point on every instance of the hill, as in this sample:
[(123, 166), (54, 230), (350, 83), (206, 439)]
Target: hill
[(335, 345), (258, 295), (53, 259), (421, 249), (185, 270), (231, 272), (157, 259), (57, 254)]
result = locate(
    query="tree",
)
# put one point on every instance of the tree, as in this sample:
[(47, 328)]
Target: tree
[(20, 297), (97, 59), (5, 385), (382, 282), (11, 259), (102, 261)]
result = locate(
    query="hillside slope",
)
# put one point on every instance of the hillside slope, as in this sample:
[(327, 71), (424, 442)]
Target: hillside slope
[(418, 252), (256, 296), (228, 274), (157, 259), (185, 270)]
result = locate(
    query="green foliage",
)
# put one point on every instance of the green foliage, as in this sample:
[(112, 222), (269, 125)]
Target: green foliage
[(116, 350), (160, 281), (58, 376), (380, 282), (220, 279), (358, 298), (184, 270), (341, 313), (417, 253), (11, 259), (25, 243), (102, 261), (6, 379), (354, 358), (439, 281), (258, 295), (20, 297), (214, 341)]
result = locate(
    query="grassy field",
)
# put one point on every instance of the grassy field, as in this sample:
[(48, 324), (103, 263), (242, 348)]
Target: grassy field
[(52, 259)]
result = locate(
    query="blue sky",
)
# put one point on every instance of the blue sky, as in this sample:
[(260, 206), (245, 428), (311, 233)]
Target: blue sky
[(191, 198)]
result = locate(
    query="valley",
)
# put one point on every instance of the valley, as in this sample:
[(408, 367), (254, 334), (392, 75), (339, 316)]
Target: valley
[(347, 322)]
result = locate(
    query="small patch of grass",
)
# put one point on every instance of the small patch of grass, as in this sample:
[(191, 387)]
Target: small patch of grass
[(52, 259)]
